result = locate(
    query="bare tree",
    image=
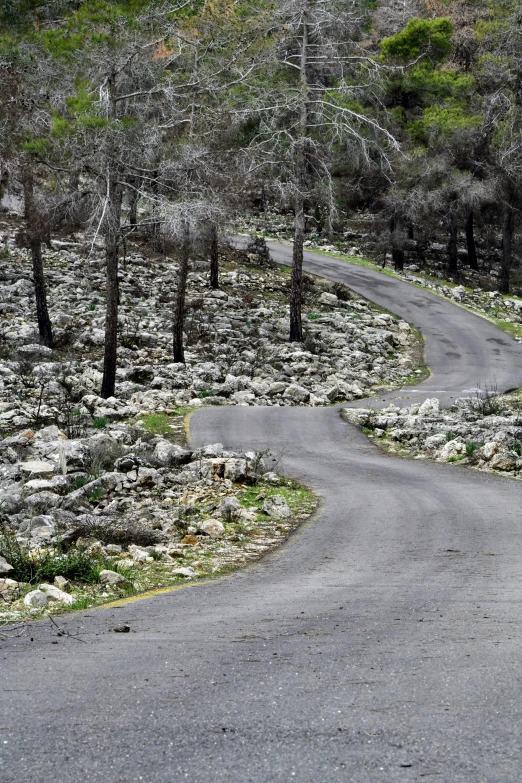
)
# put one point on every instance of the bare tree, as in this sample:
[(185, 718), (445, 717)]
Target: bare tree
[(299, 120)]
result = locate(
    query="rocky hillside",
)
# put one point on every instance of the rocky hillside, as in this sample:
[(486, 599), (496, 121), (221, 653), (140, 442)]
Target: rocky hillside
[(100, 497)]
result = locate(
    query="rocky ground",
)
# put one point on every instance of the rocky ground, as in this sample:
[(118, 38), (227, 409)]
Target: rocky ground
[(484, 431), (102, 497), (88, 519)]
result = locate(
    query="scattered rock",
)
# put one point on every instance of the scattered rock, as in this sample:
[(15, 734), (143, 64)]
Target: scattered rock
[(5, 567), (276, 506), (108, 577), (36, 598), (212, 527), (54, 593)]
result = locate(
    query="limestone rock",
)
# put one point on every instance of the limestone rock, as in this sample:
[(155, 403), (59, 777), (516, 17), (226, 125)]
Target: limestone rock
[(276, 506), (212, 527), (5, 567), (429, 407), (108, 577), (54, 593), (36, 598), (231, 509), (37, 468), (169, 454)]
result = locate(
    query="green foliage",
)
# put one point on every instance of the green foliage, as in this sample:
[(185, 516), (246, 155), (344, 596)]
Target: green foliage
[(429, 37), (37, 147), (442, 121), (100, 422), (95, 23), (471, 447), (96, 495)]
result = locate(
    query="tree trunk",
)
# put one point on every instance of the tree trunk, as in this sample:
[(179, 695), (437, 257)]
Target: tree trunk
[(453, 257), (179, 304), (470, 241), (296, 293), (214, 257), (134, 197), (508, 229), (112, 235), (397, 252), (35, 230), (44, 322), (112, 248)]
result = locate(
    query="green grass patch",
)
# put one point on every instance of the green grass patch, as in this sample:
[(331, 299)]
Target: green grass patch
[(163, 423)]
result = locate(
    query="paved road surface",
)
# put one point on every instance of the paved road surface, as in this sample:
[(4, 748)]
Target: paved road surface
[(382, 643)]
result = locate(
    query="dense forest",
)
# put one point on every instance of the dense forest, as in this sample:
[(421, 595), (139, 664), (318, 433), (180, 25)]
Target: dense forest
[(177, 120)]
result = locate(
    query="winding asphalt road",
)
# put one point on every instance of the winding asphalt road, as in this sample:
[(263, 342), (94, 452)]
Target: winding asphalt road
[(382, 642)]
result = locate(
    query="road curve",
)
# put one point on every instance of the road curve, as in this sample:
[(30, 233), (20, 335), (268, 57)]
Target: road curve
[(463, 351), (380, 643)]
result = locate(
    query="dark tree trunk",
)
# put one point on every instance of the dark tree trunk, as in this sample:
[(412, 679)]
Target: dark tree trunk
[(453, 256), (112, 248), (411, 231), (36, 229), (134, 197), (179, 303), (112, 237), (296, 292), (214, 257), (470, 241), (44, 322), (397, 252), (508, 229)]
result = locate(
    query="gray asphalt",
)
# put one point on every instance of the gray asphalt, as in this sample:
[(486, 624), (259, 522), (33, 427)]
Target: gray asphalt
[(382, 642)]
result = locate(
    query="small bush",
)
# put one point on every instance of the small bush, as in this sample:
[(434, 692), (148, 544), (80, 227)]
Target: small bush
[(75, 564), (471, 448), (104, 454), (485, 402), (96, 495), (516, 447), (82, 481), (100, 422)]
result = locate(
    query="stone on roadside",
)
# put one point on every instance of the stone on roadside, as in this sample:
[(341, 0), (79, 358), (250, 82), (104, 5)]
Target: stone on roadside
[(108, 577), (54, 593), (36, 598), (169, 454), (296, 393), (186, 572), (276, 506), (328, 299), (430, 407)]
